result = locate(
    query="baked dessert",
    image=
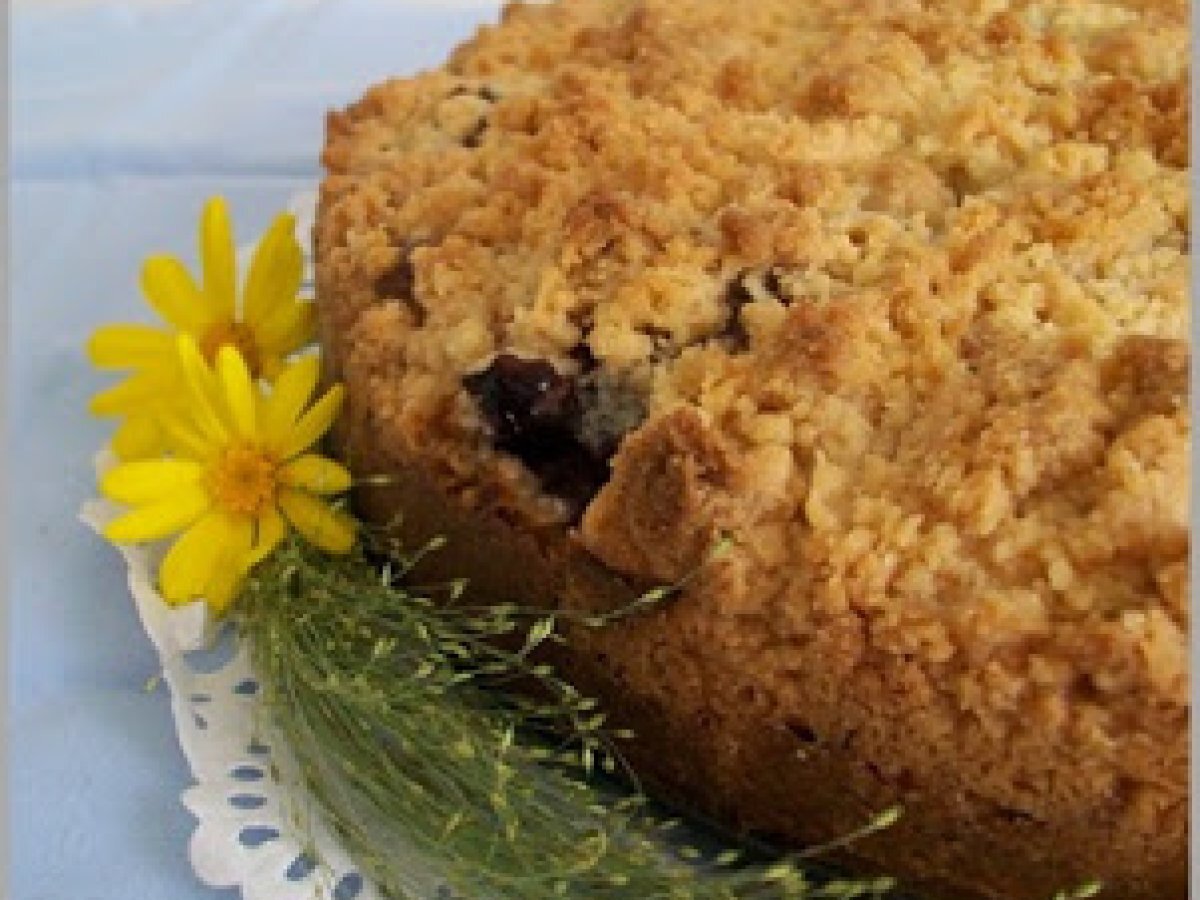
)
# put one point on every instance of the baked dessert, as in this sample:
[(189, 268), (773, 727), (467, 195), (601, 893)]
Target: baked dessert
[(894, 294)]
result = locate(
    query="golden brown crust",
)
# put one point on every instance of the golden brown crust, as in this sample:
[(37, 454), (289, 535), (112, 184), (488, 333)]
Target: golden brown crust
[(901, 289)]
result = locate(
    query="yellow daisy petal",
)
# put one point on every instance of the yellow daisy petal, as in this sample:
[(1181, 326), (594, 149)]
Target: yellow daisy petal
[(316, 474), (275, 271), (232, 566), (270, 531), (203, 391), (189, 565), (129, 346), (237, 389), (223, 587), (181, 437), (134, 394), (148, 479), (159, 520), (327, 528), (262, 400), (138, 437), (218, 261), (292, 389), (313, 424), (172, 293), (289, 328)]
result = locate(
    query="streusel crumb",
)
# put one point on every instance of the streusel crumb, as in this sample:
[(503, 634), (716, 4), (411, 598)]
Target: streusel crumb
[(895, 293)]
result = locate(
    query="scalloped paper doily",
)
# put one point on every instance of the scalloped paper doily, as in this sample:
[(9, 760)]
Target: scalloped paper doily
[(257, 828)]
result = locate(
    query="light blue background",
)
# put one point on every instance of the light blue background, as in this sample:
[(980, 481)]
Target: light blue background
[(124, 119)]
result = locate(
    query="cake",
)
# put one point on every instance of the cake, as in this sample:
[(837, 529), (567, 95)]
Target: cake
[(890, 296)]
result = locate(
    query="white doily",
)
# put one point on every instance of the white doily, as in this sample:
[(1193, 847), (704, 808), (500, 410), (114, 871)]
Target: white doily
[(257, 829)]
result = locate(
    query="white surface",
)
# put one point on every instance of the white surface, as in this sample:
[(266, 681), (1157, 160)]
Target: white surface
[(124, 118), (257, 830), (145, 4)]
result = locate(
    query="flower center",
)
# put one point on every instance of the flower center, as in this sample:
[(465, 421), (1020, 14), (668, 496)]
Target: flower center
[(231, 334), (243, 480)]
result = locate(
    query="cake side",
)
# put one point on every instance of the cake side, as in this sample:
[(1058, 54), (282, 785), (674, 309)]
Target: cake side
[(895, 298)]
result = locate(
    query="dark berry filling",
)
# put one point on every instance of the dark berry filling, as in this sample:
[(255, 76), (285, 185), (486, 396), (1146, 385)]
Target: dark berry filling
[(582, 354), (553, 423), (566, 428)]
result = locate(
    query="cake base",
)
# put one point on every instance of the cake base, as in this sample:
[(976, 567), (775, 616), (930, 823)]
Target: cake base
[(758, 772)]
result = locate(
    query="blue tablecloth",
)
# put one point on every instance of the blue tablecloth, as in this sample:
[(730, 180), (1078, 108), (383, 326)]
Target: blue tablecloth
[(125, 117)]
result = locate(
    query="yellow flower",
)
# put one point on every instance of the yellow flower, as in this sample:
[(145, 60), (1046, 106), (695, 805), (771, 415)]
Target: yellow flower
[(266, 325), (241, 475)]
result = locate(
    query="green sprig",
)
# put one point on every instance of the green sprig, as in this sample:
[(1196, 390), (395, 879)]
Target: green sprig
[(402, 714)]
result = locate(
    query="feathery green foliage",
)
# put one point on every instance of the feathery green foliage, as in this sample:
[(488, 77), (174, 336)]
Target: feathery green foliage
[(399, 709)]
